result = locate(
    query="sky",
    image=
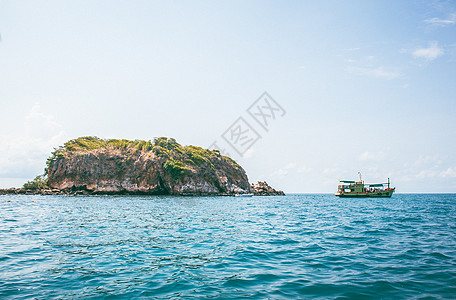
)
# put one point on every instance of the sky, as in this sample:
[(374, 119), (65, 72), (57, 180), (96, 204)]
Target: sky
[(352, 86)]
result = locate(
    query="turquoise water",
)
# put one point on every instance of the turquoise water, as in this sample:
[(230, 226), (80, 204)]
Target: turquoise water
[(296, 246)]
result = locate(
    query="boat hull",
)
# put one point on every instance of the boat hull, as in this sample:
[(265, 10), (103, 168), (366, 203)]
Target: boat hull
[(379, 194)]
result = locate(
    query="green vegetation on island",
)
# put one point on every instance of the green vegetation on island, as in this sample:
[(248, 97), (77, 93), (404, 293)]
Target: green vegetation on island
[(38, 183)]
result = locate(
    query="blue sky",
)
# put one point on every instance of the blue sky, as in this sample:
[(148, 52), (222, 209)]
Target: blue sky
[(367, 86)]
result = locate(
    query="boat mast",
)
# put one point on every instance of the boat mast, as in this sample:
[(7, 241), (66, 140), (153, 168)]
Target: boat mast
[(359, 173), (388, 183)]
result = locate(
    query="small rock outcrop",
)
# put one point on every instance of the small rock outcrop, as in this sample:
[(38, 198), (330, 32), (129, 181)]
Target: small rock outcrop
[(263, 189)]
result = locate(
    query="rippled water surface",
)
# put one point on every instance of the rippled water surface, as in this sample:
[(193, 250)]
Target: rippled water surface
[(296, 246)]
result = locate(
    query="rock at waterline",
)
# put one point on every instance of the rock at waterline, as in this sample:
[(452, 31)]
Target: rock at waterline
[(263, 189)]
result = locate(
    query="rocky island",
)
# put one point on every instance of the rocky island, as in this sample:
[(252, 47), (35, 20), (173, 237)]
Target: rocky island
[(90, 165), (263, 189)]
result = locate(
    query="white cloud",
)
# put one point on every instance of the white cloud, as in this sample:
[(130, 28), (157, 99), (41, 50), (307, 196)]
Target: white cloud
[(249, 153), (327, 171), (378, 72), (39, 124), (352, 49), (427, 167), (372, 155), (426, 174), (24, 155), (450, 172), (304, 169), (442, 22), (284, 170), (429, 53), (427, 160)]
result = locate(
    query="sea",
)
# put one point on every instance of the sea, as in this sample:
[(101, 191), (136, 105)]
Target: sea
[(299, 246)]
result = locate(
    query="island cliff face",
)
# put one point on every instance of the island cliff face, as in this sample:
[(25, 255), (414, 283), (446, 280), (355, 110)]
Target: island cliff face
[(163, 166)]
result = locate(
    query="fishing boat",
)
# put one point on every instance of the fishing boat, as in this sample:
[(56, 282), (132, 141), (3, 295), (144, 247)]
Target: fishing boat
[(359, 189), (243, 195)]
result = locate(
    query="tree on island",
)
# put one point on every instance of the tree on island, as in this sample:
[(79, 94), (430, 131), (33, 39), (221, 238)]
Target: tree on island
[(38, 183)]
